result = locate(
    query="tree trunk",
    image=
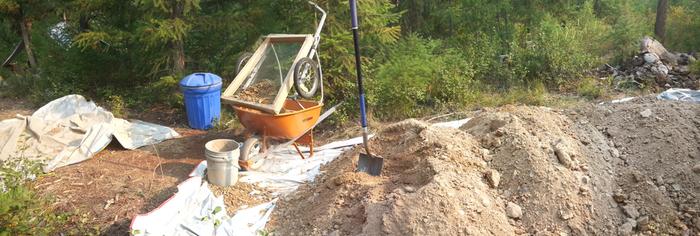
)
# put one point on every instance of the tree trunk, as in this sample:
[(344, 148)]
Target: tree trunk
[(597, 8), (25, 29), (83, 23), (177, 46), (661, 15), (178, 51)]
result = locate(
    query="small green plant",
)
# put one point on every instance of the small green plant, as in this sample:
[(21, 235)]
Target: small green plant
[(117, 106), (589, 88), (227, 121), (695, 68), (164, 90)]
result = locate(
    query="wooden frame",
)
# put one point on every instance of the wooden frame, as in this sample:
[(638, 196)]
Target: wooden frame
[(307, 41)]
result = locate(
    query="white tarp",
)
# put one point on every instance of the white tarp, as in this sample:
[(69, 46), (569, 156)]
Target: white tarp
[(680, 95), (282, 173), (69, 130), (193, 210)]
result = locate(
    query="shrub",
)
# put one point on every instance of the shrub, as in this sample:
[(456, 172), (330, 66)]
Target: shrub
[(117, 106), (554, 52), (683, 31), (627, 30), (418, 75), (22, 211)]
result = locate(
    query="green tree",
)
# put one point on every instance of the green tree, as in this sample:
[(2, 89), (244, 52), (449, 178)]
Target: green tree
[(168, 22), (22, 14)]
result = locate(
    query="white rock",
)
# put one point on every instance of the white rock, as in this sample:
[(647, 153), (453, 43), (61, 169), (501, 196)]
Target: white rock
[(627, 228), (662, 69), (651, 58), (409, 189), (646, 113), (562, 155), (493, 178), (566, 214), (696, 168), (614, 152), (585, 179), (513, 210), (631, 211)]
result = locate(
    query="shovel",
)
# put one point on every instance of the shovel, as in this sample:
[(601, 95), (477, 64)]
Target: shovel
[(367, 162)]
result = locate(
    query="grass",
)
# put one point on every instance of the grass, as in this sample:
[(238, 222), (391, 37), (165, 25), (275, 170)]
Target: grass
[(590, 88)]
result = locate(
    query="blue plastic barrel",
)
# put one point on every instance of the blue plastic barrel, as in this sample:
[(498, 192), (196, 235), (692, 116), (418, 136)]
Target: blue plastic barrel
[(202, 99)]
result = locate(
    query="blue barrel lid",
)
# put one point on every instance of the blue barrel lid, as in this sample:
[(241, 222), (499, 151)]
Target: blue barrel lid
[(200, 80)]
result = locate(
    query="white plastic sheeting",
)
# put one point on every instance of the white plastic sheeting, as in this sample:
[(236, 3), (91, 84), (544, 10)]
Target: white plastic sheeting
[(69, 130), (282, 173), (193, 210), (680, 95)]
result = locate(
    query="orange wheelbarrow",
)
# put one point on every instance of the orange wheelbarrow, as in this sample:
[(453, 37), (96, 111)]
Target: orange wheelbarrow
[(262, 129)]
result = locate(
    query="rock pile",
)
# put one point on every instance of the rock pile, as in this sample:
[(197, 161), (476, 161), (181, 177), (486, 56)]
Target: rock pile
[(656, 65)]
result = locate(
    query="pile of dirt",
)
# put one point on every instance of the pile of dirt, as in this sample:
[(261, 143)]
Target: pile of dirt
[(241, 196), (262, 92), (512, 170), (657, 161)]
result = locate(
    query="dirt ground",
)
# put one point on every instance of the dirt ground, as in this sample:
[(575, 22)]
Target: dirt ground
[(116, 184), (10, 107), (108, 190), (630, 168), (610, 169)]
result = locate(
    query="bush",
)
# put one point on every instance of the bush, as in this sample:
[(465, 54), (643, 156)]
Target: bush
[(420, 75), (554, 52), (683, 30), (22, 211), (627, 30)]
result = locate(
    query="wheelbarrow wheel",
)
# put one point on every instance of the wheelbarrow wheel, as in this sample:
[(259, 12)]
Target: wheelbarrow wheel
[(250, 154), (307, 77)]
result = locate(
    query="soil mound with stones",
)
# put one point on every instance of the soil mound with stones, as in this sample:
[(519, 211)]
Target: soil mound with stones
[(508, 171), (657, 162)]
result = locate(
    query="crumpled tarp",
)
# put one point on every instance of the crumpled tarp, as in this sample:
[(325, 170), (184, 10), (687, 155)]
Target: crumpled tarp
[(282, 173), (69, 130), (688, 95)]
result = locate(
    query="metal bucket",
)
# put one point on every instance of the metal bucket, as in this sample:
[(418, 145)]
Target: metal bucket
[(222, 161)]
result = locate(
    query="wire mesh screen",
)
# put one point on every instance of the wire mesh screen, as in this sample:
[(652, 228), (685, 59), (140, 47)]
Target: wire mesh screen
[(268, 75)]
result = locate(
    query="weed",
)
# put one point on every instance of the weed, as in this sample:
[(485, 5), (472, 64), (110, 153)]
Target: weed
[(695, 68), (117, 106), (589, 88), (227, 121), (22, 211)]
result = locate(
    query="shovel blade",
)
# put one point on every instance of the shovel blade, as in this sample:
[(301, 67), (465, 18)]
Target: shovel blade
[(370, 164)]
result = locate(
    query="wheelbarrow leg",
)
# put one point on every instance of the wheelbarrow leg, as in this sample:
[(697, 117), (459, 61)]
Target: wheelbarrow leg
[(296, 146), (307, 139)]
